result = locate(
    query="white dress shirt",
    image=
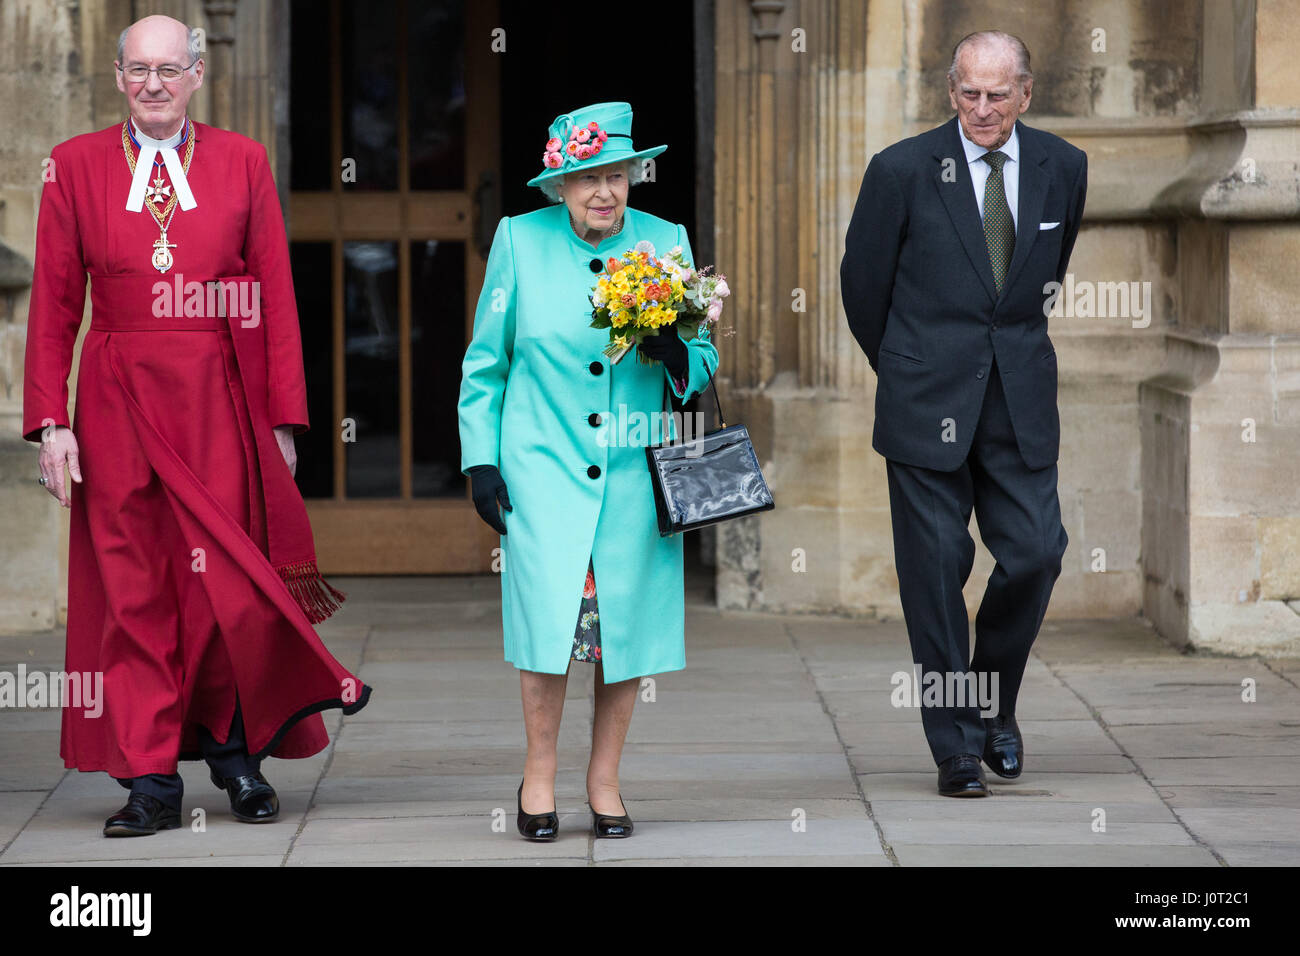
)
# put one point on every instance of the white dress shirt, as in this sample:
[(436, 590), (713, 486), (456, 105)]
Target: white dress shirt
[(979, 171)]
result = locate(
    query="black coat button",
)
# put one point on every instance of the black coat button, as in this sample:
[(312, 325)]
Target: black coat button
[(593, 419), (596, 368), (980, 373), (593, 471), (596, 265)]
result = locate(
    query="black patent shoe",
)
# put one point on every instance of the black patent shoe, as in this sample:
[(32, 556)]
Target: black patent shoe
[(143, 815), (1004, 748), (607, 825), (252, 799), (962, 776), (539, 827)]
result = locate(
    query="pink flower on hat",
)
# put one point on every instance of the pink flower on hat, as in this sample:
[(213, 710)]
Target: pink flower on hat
[(583, 143)]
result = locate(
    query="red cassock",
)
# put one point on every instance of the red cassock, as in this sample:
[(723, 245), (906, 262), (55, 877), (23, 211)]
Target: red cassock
[(191, 575)]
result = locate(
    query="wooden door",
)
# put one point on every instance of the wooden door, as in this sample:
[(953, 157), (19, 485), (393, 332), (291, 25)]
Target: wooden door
[(394, 154)]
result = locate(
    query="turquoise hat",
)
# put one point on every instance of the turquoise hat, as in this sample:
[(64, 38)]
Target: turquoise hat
[(592, 136)]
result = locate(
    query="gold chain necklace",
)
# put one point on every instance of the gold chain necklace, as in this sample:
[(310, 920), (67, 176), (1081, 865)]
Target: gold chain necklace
[(162, 255)]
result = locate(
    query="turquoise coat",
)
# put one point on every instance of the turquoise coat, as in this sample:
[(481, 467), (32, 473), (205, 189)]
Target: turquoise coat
[(532, 375)]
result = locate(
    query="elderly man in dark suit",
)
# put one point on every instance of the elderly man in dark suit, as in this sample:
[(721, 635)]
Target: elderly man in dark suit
[(954, 240)]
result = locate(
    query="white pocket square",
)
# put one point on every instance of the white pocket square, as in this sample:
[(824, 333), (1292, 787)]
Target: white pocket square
[(1048, 225)]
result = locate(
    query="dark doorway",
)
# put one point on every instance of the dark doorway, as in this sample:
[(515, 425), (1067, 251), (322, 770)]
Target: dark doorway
[(559, 58)]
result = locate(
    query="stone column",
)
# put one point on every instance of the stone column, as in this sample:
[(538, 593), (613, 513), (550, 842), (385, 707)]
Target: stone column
[(56, 80), (220, 57), (793, 121), (1221, 421)]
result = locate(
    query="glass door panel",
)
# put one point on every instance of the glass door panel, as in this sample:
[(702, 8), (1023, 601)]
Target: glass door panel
[(387, 268)]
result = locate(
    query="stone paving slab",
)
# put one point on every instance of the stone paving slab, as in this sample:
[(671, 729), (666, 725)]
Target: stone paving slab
[(854, 839), (664, 810), (1259, 771), (1259, 854), (999, 854), (432, 840), (778, 745), (1036, 765), (1042, 737), (1230, 797), (1021, 833), (210, 860), (16, 808), (1238, 738), (1014, 812), (1033, 786), (26, 760), (841, 861), (1276, 826), (68, 837)]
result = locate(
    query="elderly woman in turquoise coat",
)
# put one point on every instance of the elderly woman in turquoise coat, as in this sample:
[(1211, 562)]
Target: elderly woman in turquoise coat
[(550, 439)]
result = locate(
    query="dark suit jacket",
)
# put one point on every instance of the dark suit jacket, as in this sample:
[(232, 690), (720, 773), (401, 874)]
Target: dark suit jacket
[(919, 295)]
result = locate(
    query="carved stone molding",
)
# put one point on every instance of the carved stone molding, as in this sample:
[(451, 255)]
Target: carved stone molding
[(220, 55)]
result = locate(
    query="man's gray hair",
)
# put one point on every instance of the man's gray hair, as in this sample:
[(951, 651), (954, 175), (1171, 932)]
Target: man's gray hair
[(635, 170), (191, 45), (984, 36)]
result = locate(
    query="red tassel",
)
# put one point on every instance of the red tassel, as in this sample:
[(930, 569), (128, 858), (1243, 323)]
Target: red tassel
[(312, 592)]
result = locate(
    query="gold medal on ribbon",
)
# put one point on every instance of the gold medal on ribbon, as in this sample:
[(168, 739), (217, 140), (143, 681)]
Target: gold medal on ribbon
[(162, 257)]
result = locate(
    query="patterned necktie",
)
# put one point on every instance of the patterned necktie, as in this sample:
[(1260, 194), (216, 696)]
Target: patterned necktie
[(999, 228)]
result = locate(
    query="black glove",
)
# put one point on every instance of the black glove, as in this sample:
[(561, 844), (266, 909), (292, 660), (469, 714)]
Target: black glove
[(667, 346), (489, 488)]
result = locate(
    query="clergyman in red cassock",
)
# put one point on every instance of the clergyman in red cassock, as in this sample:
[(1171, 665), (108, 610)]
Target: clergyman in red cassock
[(192, 582)]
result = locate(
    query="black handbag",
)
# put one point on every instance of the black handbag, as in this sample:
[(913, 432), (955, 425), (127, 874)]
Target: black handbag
[(706, 479)]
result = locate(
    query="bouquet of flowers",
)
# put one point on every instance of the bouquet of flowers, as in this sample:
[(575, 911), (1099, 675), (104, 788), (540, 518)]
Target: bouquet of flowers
[(639, 293)]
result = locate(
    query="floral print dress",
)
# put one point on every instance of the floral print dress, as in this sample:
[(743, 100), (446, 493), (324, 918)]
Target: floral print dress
[(586, 635)]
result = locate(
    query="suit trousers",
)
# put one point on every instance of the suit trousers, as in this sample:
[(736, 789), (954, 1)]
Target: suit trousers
[(1019, 516), (229, 759)]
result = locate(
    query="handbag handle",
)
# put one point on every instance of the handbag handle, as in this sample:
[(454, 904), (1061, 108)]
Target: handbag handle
[(722, 420)]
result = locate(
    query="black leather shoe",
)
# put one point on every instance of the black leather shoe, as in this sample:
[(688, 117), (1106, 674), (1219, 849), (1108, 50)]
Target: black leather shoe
[(252, 799), (143, 815), (962, 776), (607, 825), (1004, 748), (539, 827)]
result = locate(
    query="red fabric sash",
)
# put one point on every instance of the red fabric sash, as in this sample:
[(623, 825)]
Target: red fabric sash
[(291, 549)]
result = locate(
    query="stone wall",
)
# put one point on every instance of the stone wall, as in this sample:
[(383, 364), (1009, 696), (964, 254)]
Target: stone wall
[(1189, 121), (57, 81)]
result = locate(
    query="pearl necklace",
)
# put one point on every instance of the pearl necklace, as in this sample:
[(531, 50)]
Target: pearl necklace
[(573, 223)]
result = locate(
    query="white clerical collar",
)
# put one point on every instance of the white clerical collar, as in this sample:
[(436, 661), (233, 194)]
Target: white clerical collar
[(170, 143), (974, 151), (150, 149)]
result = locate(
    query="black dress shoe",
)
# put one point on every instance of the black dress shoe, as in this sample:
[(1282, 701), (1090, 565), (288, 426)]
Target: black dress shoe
[(143, 815), (252, 799), (962, 776), (1004, 749), (539, 827), (608, 825)]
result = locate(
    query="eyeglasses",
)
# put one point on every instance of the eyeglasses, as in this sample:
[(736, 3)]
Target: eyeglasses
[(168, 72)]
